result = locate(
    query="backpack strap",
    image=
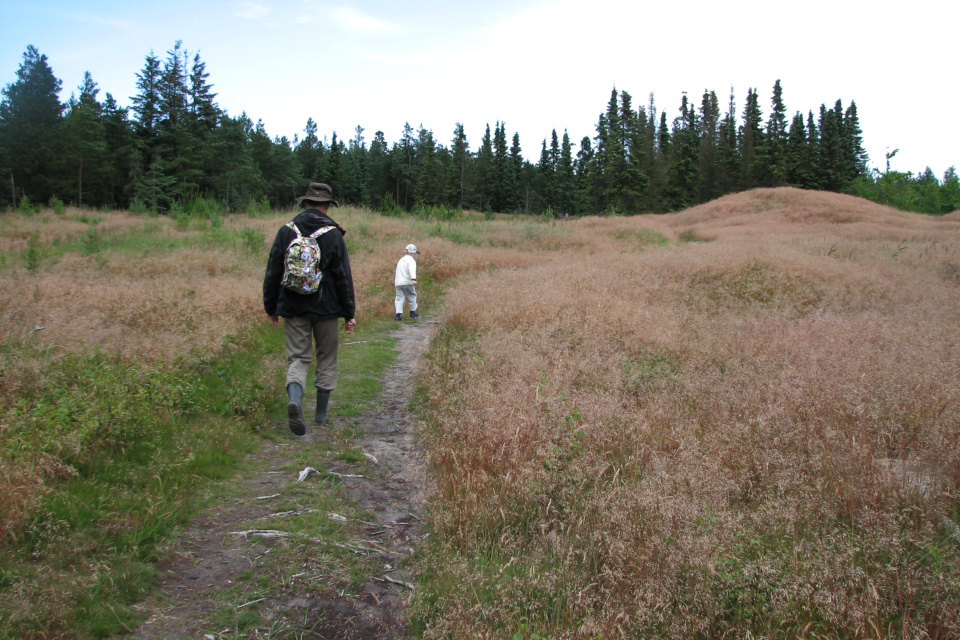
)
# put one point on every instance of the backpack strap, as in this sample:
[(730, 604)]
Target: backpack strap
[(296, 229), (319, 232)]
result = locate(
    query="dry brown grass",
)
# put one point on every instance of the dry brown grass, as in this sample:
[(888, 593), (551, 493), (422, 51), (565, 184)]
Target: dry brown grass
[(697, 440)]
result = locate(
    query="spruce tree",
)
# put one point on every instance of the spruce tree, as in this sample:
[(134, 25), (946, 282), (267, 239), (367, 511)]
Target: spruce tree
[(566, 182), (30, 119), (811, 172), (121, 150), (428, 190), (378, 171), (709, 126), (457, 183), (728, 164), (582, 167), (516, 174), (795, 154), (751, 143), (403, 167), (307, 151), (634, 174), (84, 154), (831, 167), (776, 141), (546, 173), (204, 111), (484, 173), (501, 195), (855, 157), (683, 183)]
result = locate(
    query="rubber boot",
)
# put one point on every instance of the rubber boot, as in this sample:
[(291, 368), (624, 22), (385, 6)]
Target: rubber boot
[(323, 397), (295, 409)]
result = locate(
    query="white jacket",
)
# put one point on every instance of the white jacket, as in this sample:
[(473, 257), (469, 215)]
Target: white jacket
[(406, 271)]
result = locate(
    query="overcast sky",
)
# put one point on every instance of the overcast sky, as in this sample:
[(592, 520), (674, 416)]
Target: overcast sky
[(536, 65)]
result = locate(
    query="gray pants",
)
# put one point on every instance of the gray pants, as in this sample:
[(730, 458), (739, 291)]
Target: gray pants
[(297, 333), (406, 292)]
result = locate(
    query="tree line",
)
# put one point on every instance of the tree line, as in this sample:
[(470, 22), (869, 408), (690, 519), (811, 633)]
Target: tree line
[(174, 147)]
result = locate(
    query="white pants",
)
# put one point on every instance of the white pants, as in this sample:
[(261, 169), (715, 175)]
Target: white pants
[(406, 292)]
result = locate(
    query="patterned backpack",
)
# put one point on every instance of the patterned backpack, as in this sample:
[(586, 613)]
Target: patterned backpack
[(301, 263)]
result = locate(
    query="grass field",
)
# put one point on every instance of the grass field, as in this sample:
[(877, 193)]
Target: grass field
[(740, 420)]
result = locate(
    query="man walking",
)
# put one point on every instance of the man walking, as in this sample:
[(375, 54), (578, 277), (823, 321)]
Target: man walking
[(406, 283), (309, 284)]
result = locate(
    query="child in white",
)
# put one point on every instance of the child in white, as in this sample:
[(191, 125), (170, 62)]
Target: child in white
[(406, 283)]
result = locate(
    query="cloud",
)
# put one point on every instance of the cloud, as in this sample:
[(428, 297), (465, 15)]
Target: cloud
[(252, 11), (351, 19)]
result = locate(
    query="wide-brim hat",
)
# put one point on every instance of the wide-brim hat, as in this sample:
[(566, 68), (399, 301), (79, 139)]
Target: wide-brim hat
[(318, 192)]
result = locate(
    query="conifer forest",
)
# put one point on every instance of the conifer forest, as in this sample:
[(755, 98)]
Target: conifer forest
[(173, 148)]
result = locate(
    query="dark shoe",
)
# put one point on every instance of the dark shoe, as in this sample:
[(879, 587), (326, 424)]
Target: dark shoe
[(323, 397), (414, 315), (295, 410), (398, 317)]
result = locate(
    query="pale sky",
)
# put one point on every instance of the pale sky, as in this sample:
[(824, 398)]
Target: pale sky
[(536, 65)]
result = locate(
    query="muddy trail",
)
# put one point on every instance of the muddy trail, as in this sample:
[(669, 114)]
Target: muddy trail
[(319, 574)]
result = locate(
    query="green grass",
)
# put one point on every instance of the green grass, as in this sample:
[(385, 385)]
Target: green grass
[(137, 473)]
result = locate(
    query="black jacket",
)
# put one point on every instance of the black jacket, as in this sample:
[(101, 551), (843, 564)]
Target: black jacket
[(335, 297)]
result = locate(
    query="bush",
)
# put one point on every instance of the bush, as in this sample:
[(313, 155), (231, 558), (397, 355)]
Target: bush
[(25, 207), (57, 205)]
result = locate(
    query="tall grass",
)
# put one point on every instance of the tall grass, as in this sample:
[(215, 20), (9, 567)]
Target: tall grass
[(136, 364), (755, 436)]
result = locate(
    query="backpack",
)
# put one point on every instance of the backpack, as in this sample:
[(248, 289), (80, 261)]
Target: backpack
[(301, 262)]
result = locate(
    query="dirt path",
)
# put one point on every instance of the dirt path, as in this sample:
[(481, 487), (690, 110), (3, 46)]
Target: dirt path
[(216, 583)]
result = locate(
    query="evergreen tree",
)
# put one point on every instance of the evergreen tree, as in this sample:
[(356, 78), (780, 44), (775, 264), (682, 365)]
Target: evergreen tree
[(378, 170), (727, 161), (683, 184), (811, 172), (751, 142), (458, 177), (403, 167), (30, 119), (503, 191), (597, 178), (484, 173), (775, 170), (545, 181), (566, 182), (854, 155), (515, 176), (635, 166), (204, 111), (950, 191), (795, 154), (354, 175), (85, 144), (428, 190), (582, 168), (308, 151), (235, 176), (660, 167), (146, 104), (121, 149), (831, 157), (709, 126)]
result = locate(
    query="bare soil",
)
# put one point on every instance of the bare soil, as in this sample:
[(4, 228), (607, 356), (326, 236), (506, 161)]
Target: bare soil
[(211, 571)]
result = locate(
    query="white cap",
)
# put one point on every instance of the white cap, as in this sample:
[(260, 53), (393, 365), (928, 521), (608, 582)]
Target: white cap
[(412, 248)]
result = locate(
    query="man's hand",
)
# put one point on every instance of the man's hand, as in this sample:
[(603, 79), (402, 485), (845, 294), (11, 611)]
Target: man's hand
[(274, 319), (351, 325)]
